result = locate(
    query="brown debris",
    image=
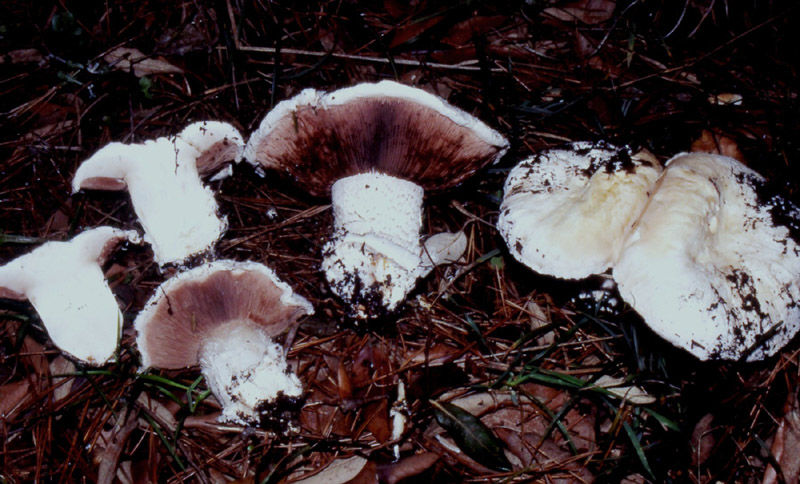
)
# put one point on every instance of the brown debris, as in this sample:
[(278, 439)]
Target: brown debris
[(651, 74)]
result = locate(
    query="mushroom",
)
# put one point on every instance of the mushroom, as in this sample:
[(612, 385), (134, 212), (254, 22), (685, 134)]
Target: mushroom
[(375, 148), (178, 213), (566, 212), (223, 316), (713, 264), (65, 284)]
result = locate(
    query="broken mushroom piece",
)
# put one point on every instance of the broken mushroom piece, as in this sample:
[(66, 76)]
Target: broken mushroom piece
[(223, 316), (375, 148), (178, 213), (566, 212), (713, 264), (65, 284)]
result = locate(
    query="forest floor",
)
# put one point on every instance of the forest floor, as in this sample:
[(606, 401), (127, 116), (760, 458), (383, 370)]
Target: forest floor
[(521, 351)]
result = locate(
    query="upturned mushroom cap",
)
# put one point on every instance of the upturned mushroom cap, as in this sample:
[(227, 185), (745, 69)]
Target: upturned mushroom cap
[(189, 306), (566, 212), (375, 148), (319, 138), (178, 213), (65, 284), (713, 264), (222, 316)]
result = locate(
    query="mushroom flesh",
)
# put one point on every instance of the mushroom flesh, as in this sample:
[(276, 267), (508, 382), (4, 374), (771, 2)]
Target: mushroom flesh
[(65, 284), (223, 316), (713, 264), (567, 212), (375, 148), (178, 213)]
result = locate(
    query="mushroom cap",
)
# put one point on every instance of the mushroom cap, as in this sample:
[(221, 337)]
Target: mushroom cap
[(566, 212), (65, 284), (178, 213), (713, 264), (188, 308), (319, 138)]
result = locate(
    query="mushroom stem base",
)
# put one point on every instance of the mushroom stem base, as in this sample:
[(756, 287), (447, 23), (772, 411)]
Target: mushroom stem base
[(375, 257), (245, 370)]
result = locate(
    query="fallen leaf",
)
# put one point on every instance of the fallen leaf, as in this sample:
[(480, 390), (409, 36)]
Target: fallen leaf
[(725, 99), (338, 471), (126, 58), (471, 435), (702, 440), (786, 445), (710, 142), (115, 444), (411, 31), (407, 467), (62, 384), (12, 395), (589, 12), (524, 425), (629, 393), (21, 56), (464, 31)]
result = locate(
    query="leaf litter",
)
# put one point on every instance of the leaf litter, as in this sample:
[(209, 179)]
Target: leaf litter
[(575, 392)]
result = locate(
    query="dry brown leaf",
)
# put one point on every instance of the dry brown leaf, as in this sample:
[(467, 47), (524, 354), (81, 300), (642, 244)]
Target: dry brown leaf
[(338, 471), (589, 12), (62, 384), (463, 32), (407, 467), (376, 416), (21, 56), (710, 142), (345, 388), (12, 395), (108, 458), (522, 425), (126, 58), (628, 393), (410, 31), (34, 354), (786, 445), (703, 440)]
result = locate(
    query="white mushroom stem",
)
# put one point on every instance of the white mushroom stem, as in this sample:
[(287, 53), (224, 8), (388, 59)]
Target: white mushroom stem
[(375, 255), (65, 284), (178, 213), (245, 370)]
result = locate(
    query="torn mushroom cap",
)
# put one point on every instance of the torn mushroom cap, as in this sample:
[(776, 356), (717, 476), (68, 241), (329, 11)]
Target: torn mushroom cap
[(222, 316), (376, 147), (713, 263), (178, 213), (566, 212), (65, 284)]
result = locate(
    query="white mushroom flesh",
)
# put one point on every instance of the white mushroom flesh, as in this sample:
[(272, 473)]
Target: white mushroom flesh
[(567, 212), (375, 255), (245, 370), (713, 265), (65, 284), (222, 315), (178, 213)]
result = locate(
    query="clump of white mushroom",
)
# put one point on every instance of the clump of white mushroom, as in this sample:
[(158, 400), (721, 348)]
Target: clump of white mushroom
[(713, 264), (702, 250), (178, 213), (567, 212), (65, 284), (223, 316), (375, 148)]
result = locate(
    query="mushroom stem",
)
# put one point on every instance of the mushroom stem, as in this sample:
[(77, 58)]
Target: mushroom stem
[(245, 370), (375, 255)]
